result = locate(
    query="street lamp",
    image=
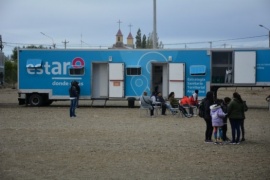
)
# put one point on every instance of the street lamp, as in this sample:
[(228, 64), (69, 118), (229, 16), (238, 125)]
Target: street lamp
[(50, 38), (268, 32)]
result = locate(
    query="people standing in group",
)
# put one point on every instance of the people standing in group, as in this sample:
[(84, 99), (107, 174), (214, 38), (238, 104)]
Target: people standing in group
[(208, 101), (73, 99), (163, 104), (146, 102), (224, 107), (236, 114), (78, 93), (217, 116)]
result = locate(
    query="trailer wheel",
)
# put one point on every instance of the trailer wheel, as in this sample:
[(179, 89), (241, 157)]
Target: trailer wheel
[(36, 100)]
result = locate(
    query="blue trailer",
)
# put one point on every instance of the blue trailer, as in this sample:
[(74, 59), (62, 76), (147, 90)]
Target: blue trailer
[(45, 76)]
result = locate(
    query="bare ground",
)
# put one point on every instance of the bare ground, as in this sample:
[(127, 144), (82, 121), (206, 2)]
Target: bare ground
[(115, 143)]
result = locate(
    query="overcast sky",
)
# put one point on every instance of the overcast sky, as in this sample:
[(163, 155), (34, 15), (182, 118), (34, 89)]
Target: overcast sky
[(95, 22)]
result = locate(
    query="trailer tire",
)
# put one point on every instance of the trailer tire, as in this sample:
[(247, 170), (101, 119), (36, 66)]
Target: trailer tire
[(36, 100)]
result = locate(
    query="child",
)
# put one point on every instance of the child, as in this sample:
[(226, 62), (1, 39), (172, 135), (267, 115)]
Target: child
[(224, 107), (217, 121)]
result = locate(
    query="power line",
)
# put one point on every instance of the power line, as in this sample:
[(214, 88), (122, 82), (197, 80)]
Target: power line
[(203, 42)]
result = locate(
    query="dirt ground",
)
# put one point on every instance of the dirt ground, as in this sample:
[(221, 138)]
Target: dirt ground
[(115, 143)]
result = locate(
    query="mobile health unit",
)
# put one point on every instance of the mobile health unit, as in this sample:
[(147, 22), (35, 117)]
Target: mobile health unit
[(45, 76)]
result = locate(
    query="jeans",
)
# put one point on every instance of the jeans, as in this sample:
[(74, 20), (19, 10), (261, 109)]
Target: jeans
[(235, 124), (73, 104), (242, 128)]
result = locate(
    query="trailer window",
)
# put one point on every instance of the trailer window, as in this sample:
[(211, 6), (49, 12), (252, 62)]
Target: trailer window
[(134, 71), (197, 70), (76, 71)]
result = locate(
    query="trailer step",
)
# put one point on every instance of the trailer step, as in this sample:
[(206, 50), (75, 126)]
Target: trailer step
[(99, 101)]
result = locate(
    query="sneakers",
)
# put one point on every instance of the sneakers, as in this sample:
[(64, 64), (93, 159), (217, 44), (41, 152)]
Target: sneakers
[(233, 142), (216, 142), (208, 141), (188, 115)]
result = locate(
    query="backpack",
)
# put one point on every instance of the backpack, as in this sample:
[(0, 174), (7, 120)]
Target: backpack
[(201, 109)]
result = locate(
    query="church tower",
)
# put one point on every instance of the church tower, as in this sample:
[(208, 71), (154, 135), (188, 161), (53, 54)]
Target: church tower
[(119, 37), (130, 38)]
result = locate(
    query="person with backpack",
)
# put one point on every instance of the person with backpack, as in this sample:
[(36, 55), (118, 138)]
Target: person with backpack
[(205, 107), (236, 114)]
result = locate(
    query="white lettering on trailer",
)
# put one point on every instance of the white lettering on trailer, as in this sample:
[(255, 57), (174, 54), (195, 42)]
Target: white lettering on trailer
[(56, 68), (196, 83), (64, 83)]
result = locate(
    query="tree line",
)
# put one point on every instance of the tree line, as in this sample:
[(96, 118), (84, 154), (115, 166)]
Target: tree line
[(146, 43)]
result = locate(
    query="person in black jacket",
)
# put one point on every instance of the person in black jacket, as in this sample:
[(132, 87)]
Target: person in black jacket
[(73, 99), (162, 103), (209, 100), (224, 106), (78, 93)]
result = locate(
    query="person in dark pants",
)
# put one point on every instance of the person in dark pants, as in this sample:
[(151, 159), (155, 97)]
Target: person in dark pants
[(73, 99), (224, 106), (163, 104), (209, 100), (78, 89), (236, 114), (242, 127)]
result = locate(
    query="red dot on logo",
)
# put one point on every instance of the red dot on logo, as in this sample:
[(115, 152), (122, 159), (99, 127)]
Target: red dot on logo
[(78, 62)]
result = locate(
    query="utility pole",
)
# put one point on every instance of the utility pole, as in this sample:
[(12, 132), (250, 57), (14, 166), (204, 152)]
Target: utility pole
[(53, 44), (268, 32), (1, 44), (65, 43), (154, 25), (210, 44)]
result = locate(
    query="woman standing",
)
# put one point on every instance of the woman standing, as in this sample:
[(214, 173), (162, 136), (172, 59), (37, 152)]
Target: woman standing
[(208, 101), (236, 114)]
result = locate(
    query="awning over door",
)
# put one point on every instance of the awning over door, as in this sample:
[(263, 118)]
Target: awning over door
[(33, 63)]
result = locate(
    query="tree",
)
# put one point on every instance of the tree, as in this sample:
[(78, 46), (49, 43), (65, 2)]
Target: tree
[(14, 55), (149, 42), (11, 72), (138, 39), (11, 65), (144, 42)]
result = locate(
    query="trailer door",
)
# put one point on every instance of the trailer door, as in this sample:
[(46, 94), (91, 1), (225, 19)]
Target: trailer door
[(116, 80), (177, 79), (245, 67)]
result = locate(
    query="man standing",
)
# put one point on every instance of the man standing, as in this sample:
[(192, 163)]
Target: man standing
[(73, 99)]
